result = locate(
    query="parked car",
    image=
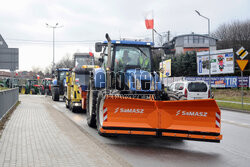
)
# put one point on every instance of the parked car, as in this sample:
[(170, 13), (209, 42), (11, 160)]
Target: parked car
[(189, 90)]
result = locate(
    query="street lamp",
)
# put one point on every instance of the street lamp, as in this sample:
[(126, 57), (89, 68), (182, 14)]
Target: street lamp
[(209, 59), (53, 27)]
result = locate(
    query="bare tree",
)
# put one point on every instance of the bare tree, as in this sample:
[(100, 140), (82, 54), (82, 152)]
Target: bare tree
[(234, 35), (65, 62)]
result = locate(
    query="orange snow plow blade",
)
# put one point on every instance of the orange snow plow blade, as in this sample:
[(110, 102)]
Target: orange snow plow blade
[(187, 119)]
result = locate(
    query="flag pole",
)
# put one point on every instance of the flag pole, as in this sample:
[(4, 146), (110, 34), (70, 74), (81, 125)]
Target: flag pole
[(153, 35)]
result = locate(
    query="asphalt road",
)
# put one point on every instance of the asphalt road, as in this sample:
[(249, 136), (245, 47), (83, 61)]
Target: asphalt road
[(234, 149)]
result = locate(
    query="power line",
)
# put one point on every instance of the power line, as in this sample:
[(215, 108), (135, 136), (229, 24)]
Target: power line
[(47, 41)]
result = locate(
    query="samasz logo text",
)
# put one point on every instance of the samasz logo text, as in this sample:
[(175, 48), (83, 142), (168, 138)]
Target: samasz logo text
[(129, 110), (191, 113)]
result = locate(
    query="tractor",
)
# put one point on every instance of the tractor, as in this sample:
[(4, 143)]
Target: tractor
[(45, 87), (77, 81), (31, 87), (59, 83), (126, 97)]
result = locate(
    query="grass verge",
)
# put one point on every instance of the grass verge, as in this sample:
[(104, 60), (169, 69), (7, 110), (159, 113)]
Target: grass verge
[(235, 98), (234, 106), (7, 117), (3, 88)]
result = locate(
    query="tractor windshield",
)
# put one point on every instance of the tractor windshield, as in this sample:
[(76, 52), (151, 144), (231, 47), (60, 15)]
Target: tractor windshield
[(82, 79), (131, 56), (80, 61), (62, 75)]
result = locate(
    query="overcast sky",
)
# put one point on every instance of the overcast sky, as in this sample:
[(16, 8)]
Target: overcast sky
[(22, 23)]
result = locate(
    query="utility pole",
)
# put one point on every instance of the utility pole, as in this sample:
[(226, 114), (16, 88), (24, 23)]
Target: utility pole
[(168, 35), (209, 57), (53, 28)]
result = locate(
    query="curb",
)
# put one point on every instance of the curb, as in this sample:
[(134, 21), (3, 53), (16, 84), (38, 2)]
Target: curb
[(235, 110)]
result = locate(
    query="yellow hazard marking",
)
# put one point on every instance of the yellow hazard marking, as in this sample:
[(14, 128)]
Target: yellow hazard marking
[(240, 51), (243, 54)]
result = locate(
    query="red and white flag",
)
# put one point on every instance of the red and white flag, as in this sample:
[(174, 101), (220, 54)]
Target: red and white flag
[(149, 20)]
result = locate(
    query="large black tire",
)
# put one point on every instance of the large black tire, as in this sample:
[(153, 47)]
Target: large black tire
[(72, 108), (91, 105), (55, 94)]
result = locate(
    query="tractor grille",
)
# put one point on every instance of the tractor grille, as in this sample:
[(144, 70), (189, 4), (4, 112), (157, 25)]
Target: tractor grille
[(145, 84)]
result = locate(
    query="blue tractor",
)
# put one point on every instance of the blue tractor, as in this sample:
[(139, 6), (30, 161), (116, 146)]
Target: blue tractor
[(126, 71), (59, 83)]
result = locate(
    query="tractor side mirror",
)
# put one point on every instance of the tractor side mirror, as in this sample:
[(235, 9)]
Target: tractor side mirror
[(98, 46)]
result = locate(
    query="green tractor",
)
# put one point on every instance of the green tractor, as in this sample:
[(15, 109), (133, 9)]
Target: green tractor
[(31, 87)]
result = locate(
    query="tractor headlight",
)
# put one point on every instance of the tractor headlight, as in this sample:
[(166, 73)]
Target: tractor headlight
[(152, 87), (138, 84)]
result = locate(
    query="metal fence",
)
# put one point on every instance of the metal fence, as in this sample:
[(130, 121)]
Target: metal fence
[(8, 98)]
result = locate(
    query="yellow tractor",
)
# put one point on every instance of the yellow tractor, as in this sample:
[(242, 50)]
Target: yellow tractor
[(77, 81), (73, 98)]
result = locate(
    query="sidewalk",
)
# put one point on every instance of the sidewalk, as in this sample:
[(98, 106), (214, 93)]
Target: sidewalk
[(38, 135)]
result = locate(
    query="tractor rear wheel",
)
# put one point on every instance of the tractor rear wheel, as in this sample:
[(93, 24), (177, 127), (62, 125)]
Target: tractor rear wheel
[(55, 95), (91, 105)]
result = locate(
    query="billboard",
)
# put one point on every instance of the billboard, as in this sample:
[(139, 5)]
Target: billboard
[(218, 82), (9, 58), (166, 66), (243, 82), (222, 62)]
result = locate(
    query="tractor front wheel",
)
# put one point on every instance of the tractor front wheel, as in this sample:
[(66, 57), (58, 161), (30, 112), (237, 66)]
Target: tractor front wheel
[(91, 105)]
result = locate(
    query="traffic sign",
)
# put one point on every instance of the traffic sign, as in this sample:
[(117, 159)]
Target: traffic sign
[(242, 52), (242, 64)]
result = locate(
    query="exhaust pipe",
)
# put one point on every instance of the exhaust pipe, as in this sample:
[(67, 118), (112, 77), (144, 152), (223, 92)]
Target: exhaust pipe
[(108, 61)]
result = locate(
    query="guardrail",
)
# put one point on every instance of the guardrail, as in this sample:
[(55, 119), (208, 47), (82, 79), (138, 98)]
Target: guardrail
[(8, 98)]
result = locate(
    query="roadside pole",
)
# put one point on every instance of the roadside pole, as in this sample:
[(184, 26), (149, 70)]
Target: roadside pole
[(242, 93), (242, 53)]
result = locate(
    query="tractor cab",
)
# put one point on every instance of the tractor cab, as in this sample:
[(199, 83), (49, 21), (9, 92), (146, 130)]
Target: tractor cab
[(127, 67)]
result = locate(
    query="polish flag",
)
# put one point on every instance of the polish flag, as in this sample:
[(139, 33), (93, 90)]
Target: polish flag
[(38, 76), (149, 20)]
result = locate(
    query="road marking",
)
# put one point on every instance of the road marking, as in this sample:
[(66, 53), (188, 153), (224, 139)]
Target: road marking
[(245, 125)]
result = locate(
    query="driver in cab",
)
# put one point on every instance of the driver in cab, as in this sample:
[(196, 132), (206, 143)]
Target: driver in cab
[(124, 60)]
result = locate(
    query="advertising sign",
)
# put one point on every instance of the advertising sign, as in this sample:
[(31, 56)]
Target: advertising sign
[(243, 82), (218, 82), (9, 58), (222, 62), (166, 66)]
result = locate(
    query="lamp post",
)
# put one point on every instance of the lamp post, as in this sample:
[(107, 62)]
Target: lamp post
[(53, 28), (209, 59)]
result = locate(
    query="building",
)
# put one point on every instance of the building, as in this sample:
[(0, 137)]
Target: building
[(183, 44)]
